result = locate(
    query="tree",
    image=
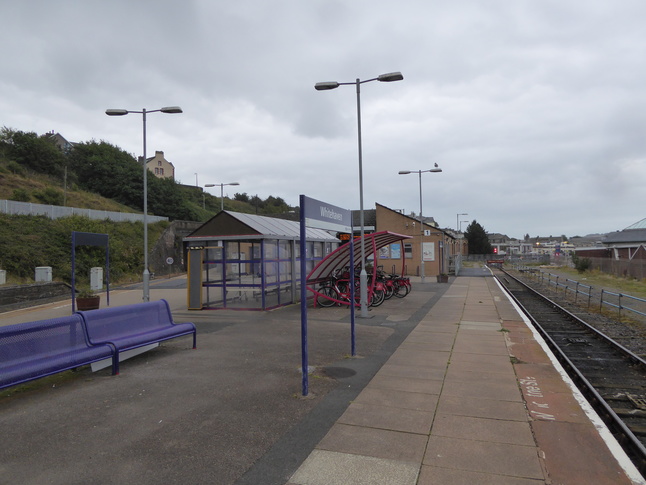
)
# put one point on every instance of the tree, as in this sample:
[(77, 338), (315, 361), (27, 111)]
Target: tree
[(37, 153), (477, 238), (109, 171), (241, 197)]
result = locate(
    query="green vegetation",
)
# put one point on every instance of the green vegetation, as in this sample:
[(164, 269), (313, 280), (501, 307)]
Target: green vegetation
[(581, 264), (477, 238), (27, 242), (97, 174), (597, 279)]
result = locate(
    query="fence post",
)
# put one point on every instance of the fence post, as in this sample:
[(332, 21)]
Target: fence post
[(620, 295), (601, 301), (589, 296)]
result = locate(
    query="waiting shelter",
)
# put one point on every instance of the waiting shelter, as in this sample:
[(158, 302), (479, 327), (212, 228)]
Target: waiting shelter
[(249, 262)]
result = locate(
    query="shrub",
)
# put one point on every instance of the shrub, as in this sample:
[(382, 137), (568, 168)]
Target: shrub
[(15, 168), (581, 264), (49, 196), (20, 195)]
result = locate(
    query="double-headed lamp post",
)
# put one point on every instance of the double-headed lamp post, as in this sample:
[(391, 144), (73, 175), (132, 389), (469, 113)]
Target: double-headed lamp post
[(421, 219), (143, 112), (221, 191), (324, 86)]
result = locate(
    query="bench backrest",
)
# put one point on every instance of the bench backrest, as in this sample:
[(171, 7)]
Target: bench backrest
[(114, 322), (25, 341)]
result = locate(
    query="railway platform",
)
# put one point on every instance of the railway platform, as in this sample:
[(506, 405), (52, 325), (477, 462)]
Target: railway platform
[(450, 387), (470, 396)]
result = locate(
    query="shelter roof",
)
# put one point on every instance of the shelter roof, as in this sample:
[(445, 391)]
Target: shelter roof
[(229, 223), (340, 257)]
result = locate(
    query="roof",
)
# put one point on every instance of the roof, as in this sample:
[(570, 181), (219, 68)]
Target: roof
[(340, 257), (238, 224), (626, 236), (637, 225)]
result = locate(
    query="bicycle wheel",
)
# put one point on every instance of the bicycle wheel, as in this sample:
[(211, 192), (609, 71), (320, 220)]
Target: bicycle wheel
[(327, 296), (378, 298), (401, 289)]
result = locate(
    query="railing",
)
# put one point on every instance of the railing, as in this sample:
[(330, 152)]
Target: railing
[(14, 207), (619, 306), (637, 306)]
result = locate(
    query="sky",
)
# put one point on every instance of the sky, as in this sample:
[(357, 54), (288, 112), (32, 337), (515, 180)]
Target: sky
[(534, 110)]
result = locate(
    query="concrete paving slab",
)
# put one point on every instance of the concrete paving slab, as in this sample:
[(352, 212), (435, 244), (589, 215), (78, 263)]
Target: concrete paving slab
[(397, 399), (483, 408), (330, 468), (483, 429), (408, 384), (499, 365), (473, 388), (484, 457), (378, 443), (448, 476), (387, 417), (574, 453), (419, 358), (416, 372)]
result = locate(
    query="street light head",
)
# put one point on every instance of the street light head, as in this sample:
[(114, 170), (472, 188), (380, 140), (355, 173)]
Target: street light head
[(234, 183), (326, 85), (171, 109), (209, 185), (390, 77), (435, 170), (116, 112), (404, 172)]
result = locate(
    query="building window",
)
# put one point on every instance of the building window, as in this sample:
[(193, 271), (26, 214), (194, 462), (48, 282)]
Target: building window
[(161, 171), (159, 163), (408, 250)]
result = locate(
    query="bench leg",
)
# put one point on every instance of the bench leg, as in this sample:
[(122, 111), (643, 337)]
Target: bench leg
[(195, 339), (115, 363)]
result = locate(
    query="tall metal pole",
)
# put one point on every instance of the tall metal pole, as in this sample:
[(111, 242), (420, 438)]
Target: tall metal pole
[(421, 225), (146, 296), (363, 276), (221, 197)]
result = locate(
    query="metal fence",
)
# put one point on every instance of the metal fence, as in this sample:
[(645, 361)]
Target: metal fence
[(14, 207), (635, 306)]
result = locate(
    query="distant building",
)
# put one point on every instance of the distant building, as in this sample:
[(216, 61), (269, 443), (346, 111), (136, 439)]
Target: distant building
[(628, 244), (161, 167), (60, 141)]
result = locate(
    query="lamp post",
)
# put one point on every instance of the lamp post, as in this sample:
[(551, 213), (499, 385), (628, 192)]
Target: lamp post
[(421, 219), (457, 217), (324, 86), (143, 112), (221, 191)]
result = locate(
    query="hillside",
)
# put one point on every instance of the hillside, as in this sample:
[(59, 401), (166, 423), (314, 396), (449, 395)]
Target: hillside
[(96, 176), (44, 189)]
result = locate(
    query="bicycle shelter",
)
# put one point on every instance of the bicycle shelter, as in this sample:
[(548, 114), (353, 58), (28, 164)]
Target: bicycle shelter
[(249, 262), (340, 258)]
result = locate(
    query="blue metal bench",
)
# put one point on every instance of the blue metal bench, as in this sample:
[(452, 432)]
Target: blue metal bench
[(132, 326), (32, 350)]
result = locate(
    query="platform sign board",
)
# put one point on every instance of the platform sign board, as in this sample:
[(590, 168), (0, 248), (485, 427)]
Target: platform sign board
[(319, 215), (322, 215)]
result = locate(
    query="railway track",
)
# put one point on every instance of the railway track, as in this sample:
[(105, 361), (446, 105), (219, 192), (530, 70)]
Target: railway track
[(611, 377)]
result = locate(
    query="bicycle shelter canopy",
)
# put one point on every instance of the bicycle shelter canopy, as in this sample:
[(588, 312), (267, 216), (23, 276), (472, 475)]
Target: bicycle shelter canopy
[(340, 257)]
